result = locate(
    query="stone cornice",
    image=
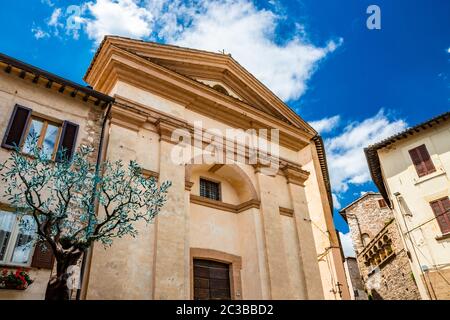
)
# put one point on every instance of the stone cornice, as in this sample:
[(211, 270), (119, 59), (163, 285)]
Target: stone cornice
[(223, 206), (150, 174), (188, 185), (286, 212), (133, 116), (295, 174), (227, 68), (199, 97), (126, 118)]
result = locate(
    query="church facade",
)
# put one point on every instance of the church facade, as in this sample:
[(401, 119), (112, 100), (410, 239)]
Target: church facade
[(249, 212)]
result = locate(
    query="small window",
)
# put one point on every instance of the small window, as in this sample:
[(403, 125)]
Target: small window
[(48, 134), (16, 240), (441, 209), (210, 189), (382, 203), (422, 160)]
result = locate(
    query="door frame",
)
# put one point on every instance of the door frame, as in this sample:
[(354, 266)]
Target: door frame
[(234, 261)]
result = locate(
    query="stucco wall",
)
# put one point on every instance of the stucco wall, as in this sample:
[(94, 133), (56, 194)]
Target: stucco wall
[(279, 255), (54, 105), (412, 208)]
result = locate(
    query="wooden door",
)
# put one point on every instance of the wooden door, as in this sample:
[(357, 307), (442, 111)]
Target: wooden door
[(211, 280)]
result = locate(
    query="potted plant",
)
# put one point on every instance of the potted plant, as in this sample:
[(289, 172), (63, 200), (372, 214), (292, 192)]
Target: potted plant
[(18, 280)]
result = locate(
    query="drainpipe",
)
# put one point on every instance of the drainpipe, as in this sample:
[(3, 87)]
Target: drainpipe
[(87, 257)]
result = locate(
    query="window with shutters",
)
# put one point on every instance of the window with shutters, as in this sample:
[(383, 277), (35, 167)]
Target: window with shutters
[(422, 160), (54, 138), (210, 189), (382, 203), (441, 209), (48, 134), (16, 238)]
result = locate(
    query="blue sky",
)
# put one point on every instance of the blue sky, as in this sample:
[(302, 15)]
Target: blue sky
[(356, 85)]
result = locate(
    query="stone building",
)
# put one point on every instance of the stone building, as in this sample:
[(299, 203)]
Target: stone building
[(411, 170), (382, 259), (232, 228), (354, 279), (67, 115)]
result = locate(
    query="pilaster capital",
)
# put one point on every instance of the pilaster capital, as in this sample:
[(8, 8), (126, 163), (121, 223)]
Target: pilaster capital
[(166, 127), (295, 174)]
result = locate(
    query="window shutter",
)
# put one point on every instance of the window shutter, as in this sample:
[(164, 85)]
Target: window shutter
[(422, 160), (441, 209), (382, 203), (68, 140), (429, 166), (41, 258), (17, 125)]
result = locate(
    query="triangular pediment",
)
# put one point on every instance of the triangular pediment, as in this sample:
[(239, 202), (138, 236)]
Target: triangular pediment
[(214, 70)]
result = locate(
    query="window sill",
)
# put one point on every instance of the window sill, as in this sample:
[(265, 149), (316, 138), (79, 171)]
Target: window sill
[(443, 236), (430, 176), (6, 265)]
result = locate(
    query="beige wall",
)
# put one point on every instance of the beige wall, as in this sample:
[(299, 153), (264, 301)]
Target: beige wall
[(428, 248), (54, 105), (279, 254)]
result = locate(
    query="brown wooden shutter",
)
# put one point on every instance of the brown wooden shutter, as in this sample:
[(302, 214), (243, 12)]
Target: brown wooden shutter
[(429, 166), (382, 203), (441, 209), (68, 140), (422, 160), (41, 258), (17, 126)]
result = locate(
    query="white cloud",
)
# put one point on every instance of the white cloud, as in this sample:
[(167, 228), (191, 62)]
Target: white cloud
[(346, 160), (54, 18), (236, 26), (48, 3), (448, 50), (248, 33), (39, 33), (336, 204), (347, 244), (118, 17), (326, 124)]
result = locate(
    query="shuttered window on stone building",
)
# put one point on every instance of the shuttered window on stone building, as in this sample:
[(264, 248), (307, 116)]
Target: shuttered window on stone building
[(441, 209), (54, 138), (422, 160)]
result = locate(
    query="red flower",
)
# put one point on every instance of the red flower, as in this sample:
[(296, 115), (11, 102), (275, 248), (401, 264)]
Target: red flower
[(4, 272)]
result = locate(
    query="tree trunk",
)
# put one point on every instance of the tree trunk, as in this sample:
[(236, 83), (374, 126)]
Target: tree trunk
[(57, 288)]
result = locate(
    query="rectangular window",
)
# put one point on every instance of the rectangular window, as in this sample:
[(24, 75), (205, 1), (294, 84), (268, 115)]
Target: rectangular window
[(382, 203), (422, 160), (441, 209), (47, 133), (210, 189), (55, 139), (16, 238)]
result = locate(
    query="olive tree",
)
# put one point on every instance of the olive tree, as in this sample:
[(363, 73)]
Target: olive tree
[(63, 196)]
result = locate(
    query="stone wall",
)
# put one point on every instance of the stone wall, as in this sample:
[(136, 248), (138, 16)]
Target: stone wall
[(354, 277), (382, 258)]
